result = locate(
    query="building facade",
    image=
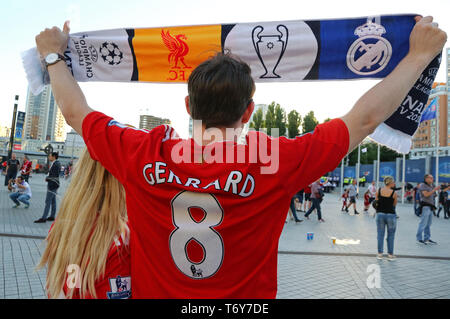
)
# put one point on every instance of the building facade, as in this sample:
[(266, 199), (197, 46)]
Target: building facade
[(425, 138), (30, 145), (426, 135), (5, 131), (74, 145), (43, 119), (149, 122)]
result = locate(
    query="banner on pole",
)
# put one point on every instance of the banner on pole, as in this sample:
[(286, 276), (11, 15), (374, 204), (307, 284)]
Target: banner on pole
[(19, 130)]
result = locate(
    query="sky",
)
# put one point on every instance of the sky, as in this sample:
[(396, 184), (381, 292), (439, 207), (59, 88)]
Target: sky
[(21, 21)]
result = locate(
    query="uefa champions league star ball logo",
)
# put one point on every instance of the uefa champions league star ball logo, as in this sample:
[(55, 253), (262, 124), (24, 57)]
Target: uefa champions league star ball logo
[(111, 53), (370, 53)]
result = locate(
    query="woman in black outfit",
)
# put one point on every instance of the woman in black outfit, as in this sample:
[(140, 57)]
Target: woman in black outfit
[(386, 217)]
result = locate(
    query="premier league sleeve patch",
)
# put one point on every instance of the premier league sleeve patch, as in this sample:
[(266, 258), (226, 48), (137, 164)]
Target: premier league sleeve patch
[(120, 288)]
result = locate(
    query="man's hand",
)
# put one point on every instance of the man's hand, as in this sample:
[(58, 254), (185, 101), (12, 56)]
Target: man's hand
[(53, 40), (66, 90), (426, 40)]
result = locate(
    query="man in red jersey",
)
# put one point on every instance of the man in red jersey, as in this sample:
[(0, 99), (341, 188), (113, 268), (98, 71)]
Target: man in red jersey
[(206, 228), (26, 168)]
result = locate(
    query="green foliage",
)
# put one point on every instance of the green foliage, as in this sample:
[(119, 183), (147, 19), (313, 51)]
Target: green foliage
[(258, 120), (309, 122), (280, 120), (294, 120), (386, 154), (269, 121)]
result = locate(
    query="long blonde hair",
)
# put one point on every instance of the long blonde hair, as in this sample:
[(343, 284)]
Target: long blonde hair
[(92, 214)]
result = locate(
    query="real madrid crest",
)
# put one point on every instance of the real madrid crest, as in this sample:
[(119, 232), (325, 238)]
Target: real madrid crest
[(370, 53)]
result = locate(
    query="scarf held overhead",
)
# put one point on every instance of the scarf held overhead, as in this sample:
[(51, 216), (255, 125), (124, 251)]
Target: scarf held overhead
[(277, 51)]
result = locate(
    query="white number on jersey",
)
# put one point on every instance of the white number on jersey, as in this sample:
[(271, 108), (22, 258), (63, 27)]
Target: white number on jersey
[(202, 232)]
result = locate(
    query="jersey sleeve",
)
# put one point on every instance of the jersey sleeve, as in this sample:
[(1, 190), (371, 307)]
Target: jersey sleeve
[(306, 158), (114, 145)]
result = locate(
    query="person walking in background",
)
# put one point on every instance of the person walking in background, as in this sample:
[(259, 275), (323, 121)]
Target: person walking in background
[(416, 198), (4, 167), (344, 201), (447, 206), (386, 217), (427, 199), (300, 200), (366, 201), (316, 198), (22, 192), (90, 231), (12, 166), (372, 191), (52, 186), (26, 168), (443, 195), (294, 210), (307, 191), (352, 193)]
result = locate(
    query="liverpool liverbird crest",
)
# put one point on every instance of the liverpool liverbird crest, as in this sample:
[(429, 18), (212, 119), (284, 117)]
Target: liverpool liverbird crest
[(178, 49)]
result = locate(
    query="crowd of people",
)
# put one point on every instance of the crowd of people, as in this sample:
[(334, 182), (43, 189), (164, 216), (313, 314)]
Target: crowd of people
[(384, 201), (17, 177)]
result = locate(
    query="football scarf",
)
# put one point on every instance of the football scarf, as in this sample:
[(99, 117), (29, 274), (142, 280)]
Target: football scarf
[(277, 51)]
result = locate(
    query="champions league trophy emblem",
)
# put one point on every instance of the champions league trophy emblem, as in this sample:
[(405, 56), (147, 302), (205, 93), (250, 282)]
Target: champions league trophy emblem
[(270, 49), (370, 53)]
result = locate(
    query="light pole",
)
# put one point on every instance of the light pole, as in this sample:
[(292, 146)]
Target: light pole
[(13, 127)]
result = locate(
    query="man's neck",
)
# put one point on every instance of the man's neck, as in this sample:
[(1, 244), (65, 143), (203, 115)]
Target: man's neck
[(203, 136)]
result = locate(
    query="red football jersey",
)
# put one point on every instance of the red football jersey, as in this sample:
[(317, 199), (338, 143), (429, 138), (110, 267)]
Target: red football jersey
[(26, 168), (116, 281), (308, 189), (202, 228)]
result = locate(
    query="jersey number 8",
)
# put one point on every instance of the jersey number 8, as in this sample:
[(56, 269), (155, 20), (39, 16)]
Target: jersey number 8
[(202, 232)]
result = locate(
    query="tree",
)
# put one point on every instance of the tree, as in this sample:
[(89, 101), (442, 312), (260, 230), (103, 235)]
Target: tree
[(270, 118), (309, 122), (293, 123), (327, 120), (280, 120), (258, 120), (386, 154)]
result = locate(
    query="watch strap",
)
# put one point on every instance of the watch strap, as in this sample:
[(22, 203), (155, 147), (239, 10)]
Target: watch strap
[(60, 58)]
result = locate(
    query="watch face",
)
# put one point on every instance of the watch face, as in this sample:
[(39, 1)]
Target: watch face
[(51, 58)]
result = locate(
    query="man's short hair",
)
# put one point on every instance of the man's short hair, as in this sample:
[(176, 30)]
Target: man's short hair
[(220, 90), (55, 155), (21, 177)]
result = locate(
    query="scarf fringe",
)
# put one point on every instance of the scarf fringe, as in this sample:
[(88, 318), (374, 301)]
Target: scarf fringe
[(37, 77), (392, 138)]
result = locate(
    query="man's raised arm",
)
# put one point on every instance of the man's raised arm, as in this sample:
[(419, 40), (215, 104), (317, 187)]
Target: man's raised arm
[(380, 102), (67, 92)]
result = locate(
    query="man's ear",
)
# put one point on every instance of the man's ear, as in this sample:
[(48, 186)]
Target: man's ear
[(186, 102), (248, 112)]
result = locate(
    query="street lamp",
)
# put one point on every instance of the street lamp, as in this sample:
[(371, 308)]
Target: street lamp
[(13, 127)]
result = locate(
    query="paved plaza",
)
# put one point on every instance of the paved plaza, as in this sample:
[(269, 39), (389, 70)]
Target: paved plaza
[(306, 269)]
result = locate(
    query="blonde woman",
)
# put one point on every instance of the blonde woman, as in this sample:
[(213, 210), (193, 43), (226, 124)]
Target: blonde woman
[(386, 217), (87, 253)]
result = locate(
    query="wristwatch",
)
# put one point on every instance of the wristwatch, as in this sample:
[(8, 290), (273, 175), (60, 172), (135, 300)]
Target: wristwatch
[(52, 58)]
